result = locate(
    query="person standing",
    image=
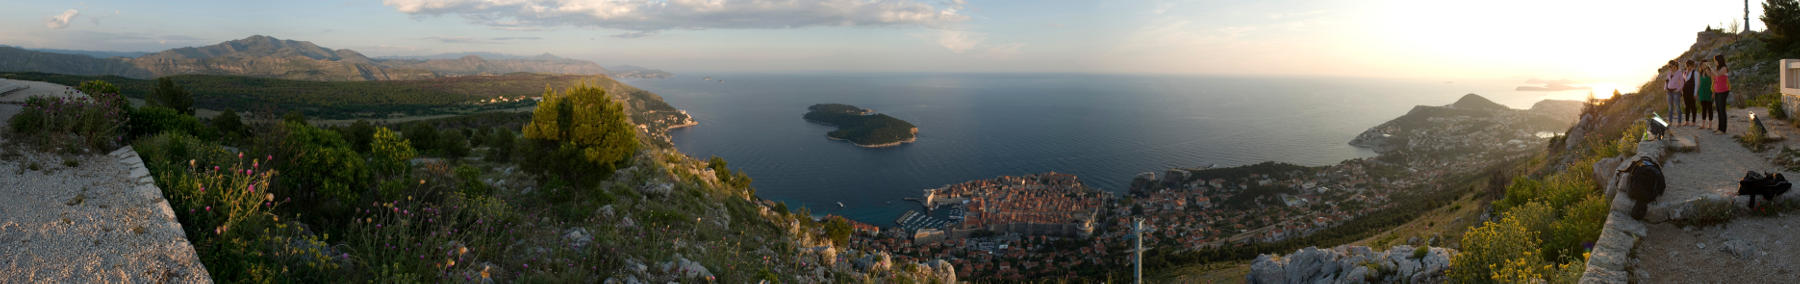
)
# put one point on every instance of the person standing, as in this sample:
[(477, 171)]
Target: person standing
[(1672, 84), (1721, 87), (1688, 108), (1705, 94)]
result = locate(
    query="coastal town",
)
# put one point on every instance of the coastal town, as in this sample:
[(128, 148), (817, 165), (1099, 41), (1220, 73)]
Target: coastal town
[(1050, 225)]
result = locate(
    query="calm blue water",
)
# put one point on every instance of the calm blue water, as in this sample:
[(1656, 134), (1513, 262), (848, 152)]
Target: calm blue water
[(1104, 128)]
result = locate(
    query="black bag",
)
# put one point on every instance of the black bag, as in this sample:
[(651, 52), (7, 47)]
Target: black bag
[(1768, 186), (1646, 185)]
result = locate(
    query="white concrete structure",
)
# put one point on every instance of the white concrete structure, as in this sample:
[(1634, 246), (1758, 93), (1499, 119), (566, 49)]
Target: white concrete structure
[(1790, 85)]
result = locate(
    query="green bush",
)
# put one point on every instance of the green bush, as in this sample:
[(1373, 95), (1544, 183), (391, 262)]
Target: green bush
[(146, 121), (1580, 225), (228, 124), (317, 165), (226, 210), (1507, 249), (389, 154), (77, 123), (584, 123), (167, 94), (838, 230)]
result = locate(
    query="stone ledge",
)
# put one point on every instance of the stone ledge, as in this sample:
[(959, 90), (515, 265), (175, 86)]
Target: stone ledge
[(146, 186)]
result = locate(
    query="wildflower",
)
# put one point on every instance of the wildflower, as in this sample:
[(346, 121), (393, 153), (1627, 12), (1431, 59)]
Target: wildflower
[(269, 197), (253, 188), (270, 158), (190, 163), (209, 208), (240, 155), (202, 189), (215, 168)]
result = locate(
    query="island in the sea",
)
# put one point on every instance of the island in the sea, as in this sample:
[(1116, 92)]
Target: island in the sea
[(861, 126)]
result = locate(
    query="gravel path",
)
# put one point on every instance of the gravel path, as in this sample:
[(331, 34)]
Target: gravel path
[(92, 223), (1747, 249)]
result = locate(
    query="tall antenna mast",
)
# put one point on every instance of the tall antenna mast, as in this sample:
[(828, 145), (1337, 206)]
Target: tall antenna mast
[(1137, 250)]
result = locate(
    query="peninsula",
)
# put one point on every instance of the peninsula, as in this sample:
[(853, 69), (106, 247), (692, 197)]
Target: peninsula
[(861, 126)]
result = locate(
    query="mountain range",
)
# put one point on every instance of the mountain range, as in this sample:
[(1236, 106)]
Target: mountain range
[(265, 56)]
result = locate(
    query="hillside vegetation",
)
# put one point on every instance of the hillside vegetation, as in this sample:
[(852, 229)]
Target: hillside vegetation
[(383, 99), (573, 196)]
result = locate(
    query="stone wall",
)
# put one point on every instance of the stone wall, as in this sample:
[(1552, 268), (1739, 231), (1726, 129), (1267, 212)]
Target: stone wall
[(1353, 264)]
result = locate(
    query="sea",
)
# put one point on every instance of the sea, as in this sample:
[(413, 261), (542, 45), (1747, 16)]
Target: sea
[(1104, 128)]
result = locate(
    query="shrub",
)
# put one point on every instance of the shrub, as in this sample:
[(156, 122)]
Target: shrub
[(1579, 227), (86, 123), (1492, 251), (228, 124), (469, 181), (389, 154), (360, 135), (225, 207), (584, 122), (317, 166), (424, 138), (146, 121), (500, 146), (167, 94), (838, 230), (452, 144), (1420, 252), (101, 90)]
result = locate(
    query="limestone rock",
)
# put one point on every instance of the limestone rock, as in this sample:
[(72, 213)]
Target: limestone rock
[(578, 237), (1265, 269)]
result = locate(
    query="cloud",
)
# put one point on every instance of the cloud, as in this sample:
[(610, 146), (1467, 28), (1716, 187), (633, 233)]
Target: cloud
[(506, 38), (645, 17), (967, 42), (60, 21), (959, 41)]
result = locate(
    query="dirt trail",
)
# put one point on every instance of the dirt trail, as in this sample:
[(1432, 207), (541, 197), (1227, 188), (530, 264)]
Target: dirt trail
[(1746, 249)]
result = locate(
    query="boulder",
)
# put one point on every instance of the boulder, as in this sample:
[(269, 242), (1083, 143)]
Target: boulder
[(577, 237), (1303, 264), (1266, 269), (1358, 275)]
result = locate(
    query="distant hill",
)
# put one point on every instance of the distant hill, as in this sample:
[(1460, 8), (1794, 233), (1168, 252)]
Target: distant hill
[(13, 59), (639, 72), (269, 57), (93, 53), (1472, 121)]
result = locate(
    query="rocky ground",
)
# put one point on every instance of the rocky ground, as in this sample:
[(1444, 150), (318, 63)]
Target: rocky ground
[(1745, 248), (86, 219), (1353, 264)]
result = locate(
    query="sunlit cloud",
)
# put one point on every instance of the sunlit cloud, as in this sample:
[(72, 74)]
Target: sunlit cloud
[(60, 21)]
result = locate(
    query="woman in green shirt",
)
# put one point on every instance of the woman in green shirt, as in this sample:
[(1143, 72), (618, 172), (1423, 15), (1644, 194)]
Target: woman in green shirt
[(1704, 91)]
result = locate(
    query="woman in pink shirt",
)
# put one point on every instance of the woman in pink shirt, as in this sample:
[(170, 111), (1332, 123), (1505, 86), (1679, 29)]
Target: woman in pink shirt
[(1721, 87)]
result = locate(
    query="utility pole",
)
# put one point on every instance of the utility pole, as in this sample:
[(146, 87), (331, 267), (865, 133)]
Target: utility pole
[(1746, 17)]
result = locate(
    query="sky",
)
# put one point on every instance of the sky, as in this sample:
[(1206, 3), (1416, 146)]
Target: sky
[(1589, 42)]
